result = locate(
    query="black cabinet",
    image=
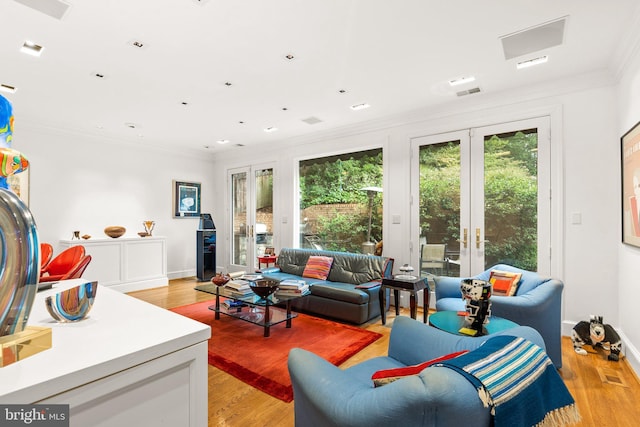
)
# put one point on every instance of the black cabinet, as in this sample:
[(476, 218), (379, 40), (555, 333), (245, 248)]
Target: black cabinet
[(206, 254)]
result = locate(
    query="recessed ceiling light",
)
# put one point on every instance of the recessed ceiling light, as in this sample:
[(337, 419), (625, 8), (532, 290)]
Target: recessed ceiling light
[(342, 91), (228, 83), (271, 129), (241, 122), (531, 62), (30, 48), (7, 88), (223, 141), (99, 75), (362, 106), (289, 57), (137, 43), (130, 125), (461, 80), (284, 108), (185, 103)]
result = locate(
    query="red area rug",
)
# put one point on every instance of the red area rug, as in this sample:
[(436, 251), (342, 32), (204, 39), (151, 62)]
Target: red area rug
[(239, 348)]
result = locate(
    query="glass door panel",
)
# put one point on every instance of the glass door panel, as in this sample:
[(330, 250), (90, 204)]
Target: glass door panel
[(440, 204), (439, 210), (251, 221), (263, 210), (510, 196), (510, 199), (239, 220)]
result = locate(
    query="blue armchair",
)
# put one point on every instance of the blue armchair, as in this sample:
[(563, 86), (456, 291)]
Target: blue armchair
[(537, 303), (325, 395)]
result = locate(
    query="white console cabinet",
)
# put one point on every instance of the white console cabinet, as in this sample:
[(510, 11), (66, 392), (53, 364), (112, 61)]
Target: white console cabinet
[(126, 263), (129, 363)]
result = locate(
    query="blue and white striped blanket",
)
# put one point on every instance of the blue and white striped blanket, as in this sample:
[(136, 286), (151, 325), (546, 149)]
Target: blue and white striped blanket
[(517, 380)]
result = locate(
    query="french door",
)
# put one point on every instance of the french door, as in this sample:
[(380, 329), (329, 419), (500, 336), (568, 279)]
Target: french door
[(251, 215), (481, 196)]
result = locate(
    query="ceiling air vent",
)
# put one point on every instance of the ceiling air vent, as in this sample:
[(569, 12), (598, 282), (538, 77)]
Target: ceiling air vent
[(312, 120), (238, 145), (54, 8), (468, 91), (534, 39)]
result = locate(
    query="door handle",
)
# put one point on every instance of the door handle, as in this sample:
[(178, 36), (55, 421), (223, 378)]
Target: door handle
[(251, 231), (465, 238), (478, 241)]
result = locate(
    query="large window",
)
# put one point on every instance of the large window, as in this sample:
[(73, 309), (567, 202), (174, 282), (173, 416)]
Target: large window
[(341, 202)]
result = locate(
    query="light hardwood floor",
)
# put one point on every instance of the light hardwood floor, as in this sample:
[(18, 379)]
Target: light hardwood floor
[(607, 393)]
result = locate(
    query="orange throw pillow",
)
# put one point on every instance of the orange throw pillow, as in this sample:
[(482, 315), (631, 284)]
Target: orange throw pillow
[(318, 267), (505, 283), (387, 376)]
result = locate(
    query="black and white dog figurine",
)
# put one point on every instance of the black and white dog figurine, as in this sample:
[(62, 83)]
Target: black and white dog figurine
[(595, 333)]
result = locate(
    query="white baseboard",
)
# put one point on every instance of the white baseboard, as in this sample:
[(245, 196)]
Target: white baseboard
[(181, 274), (140, 285), (631, 353)]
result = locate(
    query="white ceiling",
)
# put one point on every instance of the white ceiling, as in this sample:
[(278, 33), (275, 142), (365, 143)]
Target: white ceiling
[(396, 56)]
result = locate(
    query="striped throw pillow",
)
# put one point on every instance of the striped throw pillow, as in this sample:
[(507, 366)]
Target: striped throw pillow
[(505, 283), (317, 267)]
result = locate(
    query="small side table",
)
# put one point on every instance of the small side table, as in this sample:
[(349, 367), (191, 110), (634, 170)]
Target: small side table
[(452, 321), (413, 286), (267, 259)]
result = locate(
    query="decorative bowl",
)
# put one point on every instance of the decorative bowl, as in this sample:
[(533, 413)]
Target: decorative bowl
[(220, 279), (115, 231), (264, 287), (86, 236), (73, 304), (143, 234)]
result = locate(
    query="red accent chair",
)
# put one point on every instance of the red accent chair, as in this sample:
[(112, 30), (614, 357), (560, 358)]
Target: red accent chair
[(79, 269), (62, 264), (46, 253)]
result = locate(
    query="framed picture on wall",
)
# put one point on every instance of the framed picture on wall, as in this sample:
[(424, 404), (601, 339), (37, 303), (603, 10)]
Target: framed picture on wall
[(631, 186), (186, 199), (19, 184)]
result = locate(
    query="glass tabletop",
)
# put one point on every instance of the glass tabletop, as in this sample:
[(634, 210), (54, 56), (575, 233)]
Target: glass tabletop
[(253, 299)]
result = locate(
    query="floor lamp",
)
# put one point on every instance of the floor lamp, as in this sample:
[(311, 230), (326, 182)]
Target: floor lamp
[(369, 247)]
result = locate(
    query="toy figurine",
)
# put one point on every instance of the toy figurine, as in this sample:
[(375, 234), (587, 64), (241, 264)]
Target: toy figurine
[(476, 294), (595, 333)]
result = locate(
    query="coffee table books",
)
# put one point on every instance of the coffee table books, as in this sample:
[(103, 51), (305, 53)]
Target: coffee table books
[(232, 303), (238, 288), (292, 287)]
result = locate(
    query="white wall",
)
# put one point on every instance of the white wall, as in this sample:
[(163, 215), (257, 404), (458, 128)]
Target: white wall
[(629, 256), (86, 183)]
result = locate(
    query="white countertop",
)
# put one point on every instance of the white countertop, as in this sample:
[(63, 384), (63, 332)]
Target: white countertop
[(118, 333)]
